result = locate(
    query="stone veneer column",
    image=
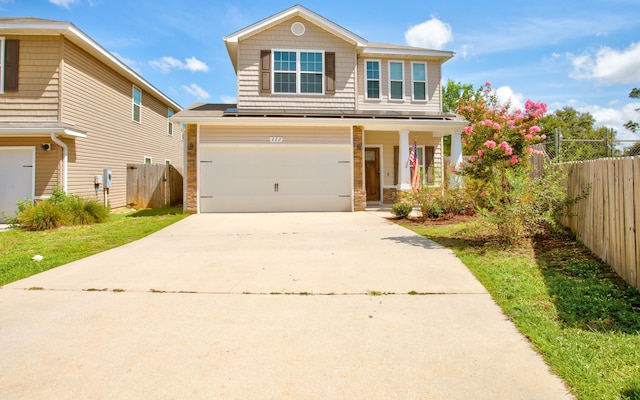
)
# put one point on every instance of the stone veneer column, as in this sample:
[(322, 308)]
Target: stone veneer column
[(191, 201), (359, 191)]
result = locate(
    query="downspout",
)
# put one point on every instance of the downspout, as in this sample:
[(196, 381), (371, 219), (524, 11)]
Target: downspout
[(65, 159)]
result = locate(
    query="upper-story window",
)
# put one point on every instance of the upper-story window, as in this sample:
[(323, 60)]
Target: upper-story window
[(373, 79), (137, 104), (9, 53), (419, 71), (297, 71), (396, 81), (170, 124)]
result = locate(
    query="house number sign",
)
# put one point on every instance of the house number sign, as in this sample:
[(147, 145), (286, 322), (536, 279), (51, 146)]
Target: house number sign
[(275, 139)]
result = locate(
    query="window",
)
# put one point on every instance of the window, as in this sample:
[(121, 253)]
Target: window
[(419, 81), (395, 80), (426, 157), (137, 104), (9, 54), (373, 79), (284, 72), (170, 124), (297, 72), (148, 160)]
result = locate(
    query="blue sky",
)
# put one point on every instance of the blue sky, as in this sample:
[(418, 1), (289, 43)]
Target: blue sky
[(585, 55)]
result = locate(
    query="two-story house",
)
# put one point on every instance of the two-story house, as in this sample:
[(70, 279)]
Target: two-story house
[(324, 121), (69, 109)]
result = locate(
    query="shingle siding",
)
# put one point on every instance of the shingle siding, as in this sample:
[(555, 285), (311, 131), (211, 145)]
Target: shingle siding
[(280, 37)]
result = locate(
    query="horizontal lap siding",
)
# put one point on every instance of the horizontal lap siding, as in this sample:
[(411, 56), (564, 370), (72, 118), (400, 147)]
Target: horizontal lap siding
[(99, 101), (280, 37), (262, 135), (433, 87), (48, 163), (38, 81)]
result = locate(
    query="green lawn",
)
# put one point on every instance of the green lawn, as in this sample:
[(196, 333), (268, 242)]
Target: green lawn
[(577, 313), (61, 246)]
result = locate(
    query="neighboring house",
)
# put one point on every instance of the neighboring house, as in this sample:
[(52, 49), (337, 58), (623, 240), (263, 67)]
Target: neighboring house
[(324, 121), (70, 109)]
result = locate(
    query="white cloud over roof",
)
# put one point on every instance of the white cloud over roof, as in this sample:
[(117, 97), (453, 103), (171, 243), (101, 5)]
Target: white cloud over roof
[(431, 34)]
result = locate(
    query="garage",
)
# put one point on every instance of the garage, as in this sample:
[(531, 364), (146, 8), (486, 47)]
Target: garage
[(275, 178), (17, 178)]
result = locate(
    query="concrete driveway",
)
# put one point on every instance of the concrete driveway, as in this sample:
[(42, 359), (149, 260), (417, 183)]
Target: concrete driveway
[(265, 306)]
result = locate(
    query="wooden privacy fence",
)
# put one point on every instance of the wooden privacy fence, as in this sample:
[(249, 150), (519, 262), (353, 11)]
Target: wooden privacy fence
[(153, 186), (606, 220)]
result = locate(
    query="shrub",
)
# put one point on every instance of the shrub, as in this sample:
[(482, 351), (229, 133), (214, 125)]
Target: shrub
[(42, 216), (58, 210), (433, 203), (401, 210)]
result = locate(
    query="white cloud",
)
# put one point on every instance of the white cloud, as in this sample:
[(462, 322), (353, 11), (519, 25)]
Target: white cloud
[(166, 64), (610, 117), (608, 65), (432, 34), (506, 94), (64, 3), (228, 99), (196, 91)]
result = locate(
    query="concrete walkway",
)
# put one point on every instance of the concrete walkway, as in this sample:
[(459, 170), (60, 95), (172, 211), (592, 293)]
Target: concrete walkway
[(265, 306)]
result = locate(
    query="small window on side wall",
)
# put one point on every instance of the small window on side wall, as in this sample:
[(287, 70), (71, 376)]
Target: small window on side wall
[(148, 160), (137, 104), (170, 124)]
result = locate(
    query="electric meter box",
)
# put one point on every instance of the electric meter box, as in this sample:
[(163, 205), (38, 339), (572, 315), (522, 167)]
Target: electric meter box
[(106, 178)]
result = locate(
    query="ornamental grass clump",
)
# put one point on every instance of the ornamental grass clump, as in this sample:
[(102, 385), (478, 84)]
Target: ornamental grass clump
[(498, 175)]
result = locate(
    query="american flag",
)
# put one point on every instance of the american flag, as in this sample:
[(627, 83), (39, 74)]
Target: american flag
[(415, 168)]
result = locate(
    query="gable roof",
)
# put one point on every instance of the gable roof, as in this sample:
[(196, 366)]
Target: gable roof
[(231, 41), (362, 45), (45, 27)]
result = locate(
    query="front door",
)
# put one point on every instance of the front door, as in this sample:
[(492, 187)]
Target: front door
[(372, 173)]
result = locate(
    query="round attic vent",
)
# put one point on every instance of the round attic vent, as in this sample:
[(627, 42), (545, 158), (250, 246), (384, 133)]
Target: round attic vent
[(298, 28)]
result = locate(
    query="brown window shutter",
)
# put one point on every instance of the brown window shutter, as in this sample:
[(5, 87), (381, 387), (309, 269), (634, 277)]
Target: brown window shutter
[(265, 71), (12, 52), (330, 72), (396, 156)]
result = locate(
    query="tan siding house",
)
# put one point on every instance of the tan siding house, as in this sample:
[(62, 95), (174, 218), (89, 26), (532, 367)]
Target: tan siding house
[(73, 106), (325, 121)]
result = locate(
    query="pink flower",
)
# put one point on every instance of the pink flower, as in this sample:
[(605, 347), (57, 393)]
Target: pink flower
[(464, 140), (481, 123), (468, 130), (472, 158), (528, 136), (487, 83), (511, 122), (534, 129), (514, 159), (495, 135), (503, 145), (529, 150), (488, 122), (496, 126), (543, 137), (483, 193), (480, 153), (508, 150), (490, 144)]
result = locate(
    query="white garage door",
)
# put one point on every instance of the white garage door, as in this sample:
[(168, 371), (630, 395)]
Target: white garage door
[(17, 166), (275, 179)]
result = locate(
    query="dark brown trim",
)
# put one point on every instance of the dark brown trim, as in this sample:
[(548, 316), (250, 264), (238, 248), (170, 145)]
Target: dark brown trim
[(396, 156), (265, 71), (11, 63), (330, 72)]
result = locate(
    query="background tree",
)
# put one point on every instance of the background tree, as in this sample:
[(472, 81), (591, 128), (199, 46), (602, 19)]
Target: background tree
[(452, 92), (573, 126), (631, 125)]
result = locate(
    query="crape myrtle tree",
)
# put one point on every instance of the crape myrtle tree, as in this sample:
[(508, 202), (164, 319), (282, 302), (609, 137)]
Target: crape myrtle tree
[(452, 92), (499, 141)]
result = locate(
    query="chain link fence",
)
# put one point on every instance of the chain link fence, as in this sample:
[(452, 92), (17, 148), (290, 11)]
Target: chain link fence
[(559, 149)]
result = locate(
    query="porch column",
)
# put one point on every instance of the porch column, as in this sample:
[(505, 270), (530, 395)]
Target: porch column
[(455, 180), (359, 191), (404, 178)]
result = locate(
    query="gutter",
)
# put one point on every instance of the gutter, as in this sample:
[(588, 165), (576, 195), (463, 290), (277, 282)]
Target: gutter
[(65, 159)]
